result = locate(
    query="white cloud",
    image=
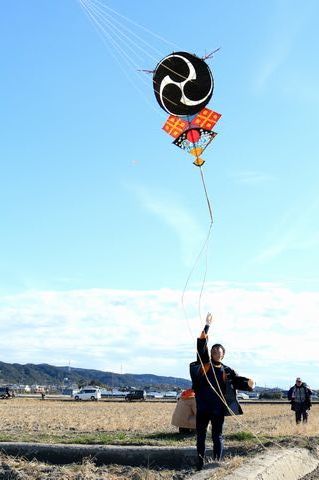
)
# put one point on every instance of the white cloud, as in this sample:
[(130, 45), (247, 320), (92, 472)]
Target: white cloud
[(283, 31), (176, 216), (269, 331), (298, 230), (273, 61)]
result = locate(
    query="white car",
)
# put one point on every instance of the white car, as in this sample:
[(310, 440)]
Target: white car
[(242, 396), (171, 394), (88, 393)]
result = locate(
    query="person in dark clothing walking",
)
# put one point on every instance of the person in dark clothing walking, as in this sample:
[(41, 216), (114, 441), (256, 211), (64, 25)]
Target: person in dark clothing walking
[(300, 398), (215, 387)]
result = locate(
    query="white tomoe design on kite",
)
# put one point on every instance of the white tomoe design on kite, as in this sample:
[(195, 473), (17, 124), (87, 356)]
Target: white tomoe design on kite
[(192, 76)]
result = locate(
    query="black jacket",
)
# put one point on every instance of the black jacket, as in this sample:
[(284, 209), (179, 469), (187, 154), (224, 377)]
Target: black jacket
[(229, 384), (308, 393)]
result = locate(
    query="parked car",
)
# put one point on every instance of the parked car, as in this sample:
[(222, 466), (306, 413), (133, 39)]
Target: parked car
[(242, 396), (88, 393), (6, 392), (171, 394), (135, 395), (154, 395), (253, 395)]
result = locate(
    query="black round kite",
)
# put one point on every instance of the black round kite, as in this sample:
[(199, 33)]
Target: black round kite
[(183, 84)]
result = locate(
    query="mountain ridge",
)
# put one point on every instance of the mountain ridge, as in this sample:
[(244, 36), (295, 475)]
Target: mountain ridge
[(46, 374)]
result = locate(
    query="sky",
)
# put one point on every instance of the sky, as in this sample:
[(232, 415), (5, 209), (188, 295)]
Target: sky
[(104, 261)]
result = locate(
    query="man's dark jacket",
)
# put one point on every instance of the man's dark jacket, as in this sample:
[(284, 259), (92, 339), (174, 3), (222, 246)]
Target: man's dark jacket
[(308, 393), (231, 383)]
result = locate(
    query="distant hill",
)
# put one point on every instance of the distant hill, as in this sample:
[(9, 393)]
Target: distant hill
[(44, 374)]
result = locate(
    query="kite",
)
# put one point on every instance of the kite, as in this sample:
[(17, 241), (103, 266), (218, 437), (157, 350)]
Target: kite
[(194, 141), (183, 85)]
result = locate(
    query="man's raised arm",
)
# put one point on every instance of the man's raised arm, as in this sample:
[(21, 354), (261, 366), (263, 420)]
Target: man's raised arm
[(202, 350)]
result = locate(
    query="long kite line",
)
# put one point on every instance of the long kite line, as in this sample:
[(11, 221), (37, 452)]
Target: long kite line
[(183, 85)]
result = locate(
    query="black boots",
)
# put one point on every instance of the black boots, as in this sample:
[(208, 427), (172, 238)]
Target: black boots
[(200, 462)]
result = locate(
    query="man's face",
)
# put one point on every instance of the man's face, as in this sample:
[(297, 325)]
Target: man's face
[(298, 382), (217, 354)]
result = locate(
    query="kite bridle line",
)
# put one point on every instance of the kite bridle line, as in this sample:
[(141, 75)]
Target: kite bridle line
[(103, 26), (105, 23), (107, 27), (102, 22), (99, 24), (105, 7)]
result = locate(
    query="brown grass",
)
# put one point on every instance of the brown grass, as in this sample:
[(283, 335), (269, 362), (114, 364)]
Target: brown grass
[(29, 418), (55, 421), (277, 421), (20, 469), (32, 418)]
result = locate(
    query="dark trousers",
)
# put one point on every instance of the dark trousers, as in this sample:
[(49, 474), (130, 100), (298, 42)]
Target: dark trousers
[(202, 420), (301, 412)]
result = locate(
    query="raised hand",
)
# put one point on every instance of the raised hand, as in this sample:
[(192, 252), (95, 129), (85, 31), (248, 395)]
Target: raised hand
[(209, 319)]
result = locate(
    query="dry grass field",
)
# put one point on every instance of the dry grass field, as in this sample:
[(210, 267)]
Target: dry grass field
[(19, 469), (129, 423), (120, 422)]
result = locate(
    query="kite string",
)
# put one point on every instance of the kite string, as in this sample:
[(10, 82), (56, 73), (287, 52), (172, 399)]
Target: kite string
[(107, 29), (94, 10), (197, 259), (104, 6), (235, 417), (111, 22), (220, 394), (100, 22), (232, 413), (206, 195), (104, 35), (127, 48), (102, 28)]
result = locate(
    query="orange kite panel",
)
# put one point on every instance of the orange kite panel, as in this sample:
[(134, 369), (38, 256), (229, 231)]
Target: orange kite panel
[(174, 126), (206, 118)]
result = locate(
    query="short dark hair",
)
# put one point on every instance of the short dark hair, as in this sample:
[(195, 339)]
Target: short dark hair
[(218, 345)]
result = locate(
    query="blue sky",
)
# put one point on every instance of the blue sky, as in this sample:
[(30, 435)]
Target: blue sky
[(102, 217)]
